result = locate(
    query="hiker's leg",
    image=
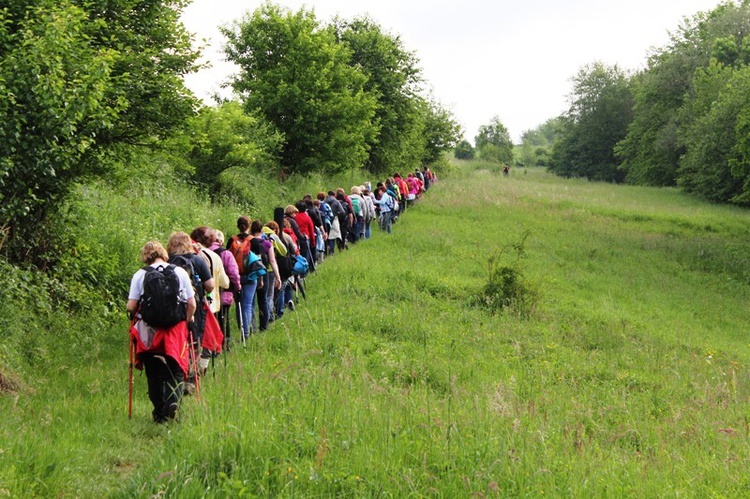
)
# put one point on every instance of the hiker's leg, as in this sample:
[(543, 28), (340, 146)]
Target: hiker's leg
[(155, 386), (248, 312), (260, 295), (172, 387)]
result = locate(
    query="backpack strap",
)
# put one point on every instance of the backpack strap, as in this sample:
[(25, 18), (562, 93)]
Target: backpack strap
[(210, 261)]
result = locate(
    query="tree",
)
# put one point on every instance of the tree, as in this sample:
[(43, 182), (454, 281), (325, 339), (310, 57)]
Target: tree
[(297, 75), (714, 163), (652, 148), (393, 79), (464, 150), (599, 114), (536, 144), (441, 131), (493, 142), (225, 139), (75, 79)]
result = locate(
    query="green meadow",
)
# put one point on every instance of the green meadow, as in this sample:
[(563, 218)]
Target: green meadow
[(622, 371)]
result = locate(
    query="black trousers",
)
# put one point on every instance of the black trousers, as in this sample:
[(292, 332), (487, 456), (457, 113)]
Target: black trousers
[(223, 317), (165, 378)]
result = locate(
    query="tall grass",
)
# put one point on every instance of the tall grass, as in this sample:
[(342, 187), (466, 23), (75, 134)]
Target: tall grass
[(629, 376)]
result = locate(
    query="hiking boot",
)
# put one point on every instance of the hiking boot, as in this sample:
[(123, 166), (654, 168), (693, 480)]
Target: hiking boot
[(172, 411), (188, 388), (290, 305)]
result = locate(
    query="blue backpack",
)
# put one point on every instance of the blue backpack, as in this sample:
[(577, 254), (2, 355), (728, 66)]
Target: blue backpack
[(301, 267), (254, 266)]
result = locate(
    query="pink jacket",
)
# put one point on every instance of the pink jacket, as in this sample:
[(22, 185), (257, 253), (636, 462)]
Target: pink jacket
[(230, 267)]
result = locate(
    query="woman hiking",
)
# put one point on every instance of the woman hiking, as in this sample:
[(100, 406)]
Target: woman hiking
[(162, 350)]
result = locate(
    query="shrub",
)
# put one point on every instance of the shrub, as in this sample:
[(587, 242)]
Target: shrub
[(506, 286)]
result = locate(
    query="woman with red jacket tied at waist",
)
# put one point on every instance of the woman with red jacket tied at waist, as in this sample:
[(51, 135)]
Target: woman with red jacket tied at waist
[(162, 351)]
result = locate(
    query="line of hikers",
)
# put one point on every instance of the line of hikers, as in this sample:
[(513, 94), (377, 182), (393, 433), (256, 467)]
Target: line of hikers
[(179, 302)]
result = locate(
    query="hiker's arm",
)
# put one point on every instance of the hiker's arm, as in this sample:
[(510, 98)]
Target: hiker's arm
[(190, 309), (275, 267), (132, 306), (209, 285)]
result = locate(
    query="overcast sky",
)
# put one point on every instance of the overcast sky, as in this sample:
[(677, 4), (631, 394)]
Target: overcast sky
[(482, 58)]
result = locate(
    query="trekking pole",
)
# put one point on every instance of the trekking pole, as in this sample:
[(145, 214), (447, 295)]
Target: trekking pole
[(238, 304), (131, 347), (195, 366)]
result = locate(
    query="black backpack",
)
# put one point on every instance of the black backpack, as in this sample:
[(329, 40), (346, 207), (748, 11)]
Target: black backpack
[(160, 302), (184, 262)]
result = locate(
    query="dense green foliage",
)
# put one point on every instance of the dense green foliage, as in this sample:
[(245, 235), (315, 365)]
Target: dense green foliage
[(393, 79), (600, 111), (679, 122), (493, 142), (296, 74), (344, 95), (93, 91), (224, 148), (628, 377), (536, 144), (78, 79), (671, 139), (464, 150)]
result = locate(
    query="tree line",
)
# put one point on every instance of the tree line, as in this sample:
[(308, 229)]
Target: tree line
[(682, 121), (88, 86)]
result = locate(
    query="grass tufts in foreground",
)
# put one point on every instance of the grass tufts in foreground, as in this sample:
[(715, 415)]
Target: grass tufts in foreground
[(629, 376)]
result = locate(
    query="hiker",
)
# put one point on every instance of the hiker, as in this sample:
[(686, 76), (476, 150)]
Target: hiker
[(402, 191), (264, 293), (321, 232), (290, 214), (419, 175), (162, 350), (325, 211), (307, 228), (182, 254), (370, 214), (239, 246), (345, 224), (391, 189), (358, 214), (385, 204), (205, 237), (285, 251), (226, 295), (339, 215), (413, 189)]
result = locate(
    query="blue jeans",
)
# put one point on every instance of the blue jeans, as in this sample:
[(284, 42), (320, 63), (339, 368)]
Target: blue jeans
[(283, 296), (385, 221), (368, 232), (246, 306), (271, 280), (356, 228)]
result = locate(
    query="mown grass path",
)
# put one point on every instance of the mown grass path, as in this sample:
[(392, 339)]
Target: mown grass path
[(628, 377)]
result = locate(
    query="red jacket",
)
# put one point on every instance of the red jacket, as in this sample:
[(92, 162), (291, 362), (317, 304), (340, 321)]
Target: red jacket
[(402, 186), (306, 226)]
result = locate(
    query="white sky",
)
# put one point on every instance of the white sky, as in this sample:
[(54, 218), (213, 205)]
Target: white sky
[(482, 58)]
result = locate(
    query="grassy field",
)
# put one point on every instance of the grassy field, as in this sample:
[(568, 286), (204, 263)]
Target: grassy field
[(624, 374)]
